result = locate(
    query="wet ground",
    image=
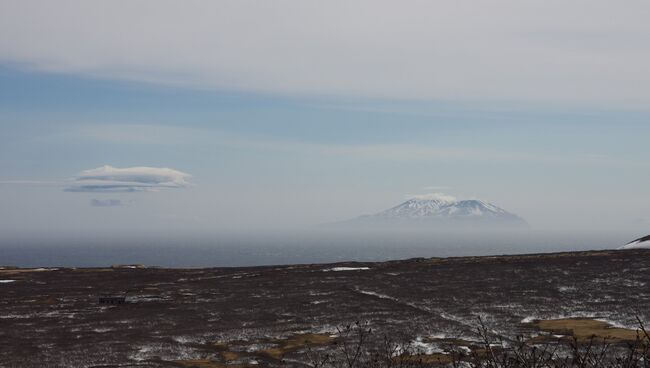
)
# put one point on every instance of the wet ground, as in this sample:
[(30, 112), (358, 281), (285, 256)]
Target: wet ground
[(266, 315)]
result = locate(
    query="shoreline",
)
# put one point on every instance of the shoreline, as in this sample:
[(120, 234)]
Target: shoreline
[(450, 259)]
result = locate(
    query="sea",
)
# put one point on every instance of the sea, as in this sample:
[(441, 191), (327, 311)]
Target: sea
[(237, 249)]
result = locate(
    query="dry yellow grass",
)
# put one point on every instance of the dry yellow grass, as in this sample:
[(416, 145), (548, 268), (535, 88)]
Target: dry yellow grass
[(199, 363), (275, 353), (302, 340), (584, 329), (229, 355), (296, 342), (206, 363)]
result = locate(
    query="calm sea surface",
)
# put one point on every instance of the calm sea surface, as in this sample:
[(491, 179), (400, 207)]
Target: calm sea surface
[(276, 248)]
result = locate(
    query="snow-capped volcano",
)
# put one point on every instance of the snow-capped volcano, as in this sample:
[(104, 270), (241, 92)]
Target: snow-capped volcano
[(442, 210), (638, 243)]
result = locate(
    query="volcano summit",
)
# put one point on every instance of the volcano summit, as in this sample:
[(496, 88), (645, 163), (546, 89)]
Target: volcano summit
[(438, 210)]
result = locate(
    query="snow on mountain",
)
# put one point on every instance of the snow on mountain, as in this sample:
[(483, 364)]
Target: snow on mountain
[(638, 243), (434, 210)]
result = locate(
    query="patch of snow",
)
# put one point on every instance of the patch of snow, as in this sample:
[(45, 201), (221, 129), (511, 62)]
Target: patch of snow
[(259, 346), (457, 319), (165, 352), (16, 316), (438, 336), (633, 283), (574, 314), (641, 243), (141, 354), (529, 319), (103, 329), (147, 298), (564, 289), (325, 329), (186, 339), (425, 347), (319, 293), (378, 295), (616, 324), (444, 209), (338, 269)]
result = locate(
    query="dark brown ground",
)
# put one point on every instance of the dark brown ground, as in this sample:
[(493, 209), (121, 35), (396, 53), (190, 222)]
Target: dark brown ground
[(206, 317)]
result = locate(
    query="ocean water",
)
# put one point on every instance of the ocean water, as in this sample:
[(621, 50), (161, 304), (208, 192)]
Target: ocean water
[(288, 247)]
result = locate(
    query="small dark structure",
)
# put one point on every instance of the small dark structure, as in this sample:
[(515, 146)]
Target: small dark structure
[(112, 299)]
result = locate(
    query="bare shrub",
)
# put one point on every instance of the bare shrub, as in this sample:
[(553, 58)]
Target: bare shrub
[(357, 347)]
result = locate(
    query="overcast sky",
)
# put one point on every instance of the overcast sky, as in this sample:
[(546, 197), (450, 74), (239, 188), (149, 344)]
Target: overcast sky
[(210, 115)]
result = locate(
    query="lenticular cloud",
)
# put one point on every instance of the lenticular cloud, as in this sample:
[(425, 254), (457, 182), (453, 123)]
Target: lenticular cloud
[(130, 179)]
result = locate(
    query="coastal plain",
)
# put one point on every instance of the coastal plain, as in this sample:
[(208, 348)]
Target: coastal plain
[(273, 315)]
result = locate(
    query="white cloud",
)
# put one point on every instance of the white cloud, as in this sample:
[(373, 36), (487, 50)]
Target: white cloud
[(131, 179), (433, 196), (579, 51), (106, 202), (31, 182), (437, 187)]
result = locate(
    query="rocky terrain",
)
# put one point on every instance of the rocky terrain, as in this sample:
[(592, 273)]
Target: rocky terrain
[(269, 316)]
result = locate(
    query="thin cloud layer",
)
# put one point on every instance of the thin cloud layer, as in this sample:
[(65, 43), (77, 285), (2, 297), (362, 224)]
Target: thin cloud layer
[(106, 202), (433, 196), (584, 51), (130, 179)]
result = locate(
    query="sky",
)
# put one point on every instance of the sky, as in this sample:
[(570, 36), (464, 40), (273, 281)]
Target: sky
[(207, 116)]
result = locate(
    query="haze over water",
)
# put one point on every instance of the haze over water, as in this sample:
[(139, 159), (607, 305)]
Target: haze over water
[(196, 134), (285, 247)]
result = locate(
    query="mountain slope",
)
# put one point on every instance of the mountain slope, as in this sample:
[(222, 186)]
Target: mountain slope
[(638, 243), (442, 211)]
